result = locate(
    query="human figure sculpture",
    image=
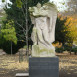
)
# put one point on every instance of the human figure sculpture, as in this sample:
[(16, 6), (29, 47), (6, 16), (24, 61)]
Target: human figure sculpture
[(43, 35)]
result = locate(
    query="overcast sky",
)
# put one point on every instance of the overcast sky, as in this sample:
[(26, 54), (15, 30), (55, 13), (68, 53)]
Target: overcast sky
[(3, 4), (59, 4)]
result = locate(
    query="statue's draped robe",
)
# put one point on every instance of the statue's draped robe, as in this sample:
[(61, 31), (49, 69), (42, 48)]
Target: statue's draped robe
[(44, 27)]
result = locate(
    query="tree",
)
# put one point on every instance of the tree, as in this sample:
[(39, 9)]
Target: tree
[(18, 12), (71, 27), (59, 31), (72, 7), (2, 17), (19, 16), (8, 32), (66, 29)]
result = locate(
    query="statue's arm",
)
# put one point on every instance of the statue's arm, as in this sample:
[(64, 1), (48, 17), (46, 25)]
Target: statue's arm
[(34, 35), (32, 20)]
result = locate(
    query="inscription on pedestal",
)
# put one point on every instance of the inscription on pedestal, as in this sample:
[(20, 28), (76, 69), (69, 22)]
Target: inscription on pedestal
[(44, 67)]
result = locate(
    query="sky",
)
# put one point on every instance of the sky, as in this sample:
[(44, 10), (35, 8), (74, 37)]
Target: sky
[(3, 4), (59, 4)]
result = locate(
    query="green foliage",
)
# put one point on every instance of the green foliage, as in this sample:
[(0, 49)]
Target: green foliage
[(19, 3), (70, 25), (75, 42), (8, 32), (60, 50), (25, 47), (67, 47), (6, 45), (3, 0), (2, 16), (66, 30), (74, 50), (18, 14), (59, 34)]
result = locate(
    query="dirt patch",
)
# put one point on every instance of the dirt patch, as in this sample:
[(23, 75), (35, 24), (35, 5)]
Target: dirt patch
[(9, 65)]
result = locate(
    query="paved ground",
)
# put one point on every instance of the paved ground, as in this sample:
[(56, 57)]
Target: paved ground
[(9, 65)]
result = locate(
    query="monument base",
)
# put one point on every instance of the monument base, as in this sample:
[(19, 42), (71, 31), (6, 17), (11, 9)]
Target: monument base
[(41, 51), (44, 67), (22, 75)]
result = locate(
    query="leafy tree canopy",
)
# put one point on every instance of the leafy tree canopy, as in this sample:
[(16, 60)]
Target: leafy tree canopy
[(18, 13), (71, 27), (8, 32), (66, 29), (59, 34), (16, 31)]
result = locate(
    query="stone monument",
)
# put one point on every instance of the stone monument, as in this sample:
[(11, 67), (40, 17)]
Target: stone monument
[(43, 35), (43, 62)]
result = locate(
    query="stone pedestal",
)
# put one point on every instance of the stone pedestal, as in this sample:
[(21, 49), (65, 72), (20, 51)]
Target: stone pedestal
[(41, 51), (44, 67), (22, 75)]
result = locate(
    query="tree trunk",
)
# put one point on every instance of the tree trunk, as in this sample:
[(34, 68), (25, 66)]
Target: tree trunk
[(26, 30), (11, 47)]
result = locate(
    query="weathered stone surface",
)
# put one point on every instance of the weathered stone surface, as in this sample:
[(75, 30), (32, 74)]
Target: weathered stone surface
[(44, 67), (22, 75), (44, 20), (2, 52), (41, 51)]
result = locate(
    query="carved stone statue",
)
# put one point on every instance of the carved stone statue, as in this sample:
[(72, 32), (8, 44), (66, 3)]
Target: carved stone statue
[(43, 35)]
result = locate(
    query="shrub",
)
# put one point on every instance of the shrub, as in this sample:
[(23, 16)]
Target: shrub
[(74, 50), (60, 50), (6, 46), (68, 48)]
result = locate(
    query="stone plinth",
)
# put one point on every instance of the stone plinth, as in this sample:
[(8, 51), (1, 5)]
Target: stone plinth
[(22, 75), (40, 51), (44, 67)]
